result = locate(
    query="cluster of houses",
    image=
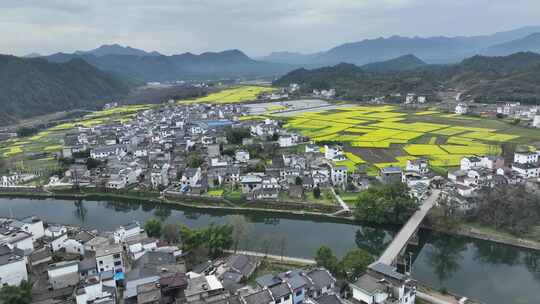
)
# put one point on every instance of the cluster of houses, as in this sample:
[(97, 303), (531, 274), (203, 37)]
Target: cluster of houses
[(153, 151), (73, 265), (477, 172)]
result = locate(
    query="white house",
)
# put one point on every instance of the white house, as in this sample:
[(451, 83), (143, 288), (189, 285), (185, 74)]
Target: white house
[(73, 246), (526, 157), (54, 231), (18, 239), (410, 98), (339, 175), (127, 231), (93, 291), (468, 163), (12, 267), (110, 258), (32, 225), (58, 243), (527, 170), (333, 153), (461, 109), (241, 156), (286, 141), (418, 165), (312, 148), (536, 121), (191, 177), (63, 274), (381, 285)]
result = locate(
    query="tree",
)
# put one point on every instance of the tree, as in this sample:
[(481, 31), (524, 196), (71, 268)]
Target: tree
[(354, 263), (92, 163), (317, 192), (326, 258), (153, 228), (26, 131), (21, 294), (171, 233), (191, 238), (218, 238), (298, 181), (195, 160), (215, 238), (241, 229), (236, 135), (385, 204)]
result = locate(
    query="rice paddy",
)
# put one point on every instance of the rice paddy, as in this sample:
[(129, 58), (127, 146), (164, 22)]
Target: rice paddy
[(399, 136)]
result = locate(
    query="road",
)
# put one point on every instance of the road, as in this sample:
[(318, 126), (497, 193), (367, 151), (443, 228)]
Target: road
[(344, 206), (276, 257), (404, 235)]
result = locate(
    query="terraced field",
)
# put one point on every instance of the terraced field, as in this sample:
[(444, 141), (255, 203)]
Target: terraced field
[(383, 136), (232, 95), (40, 152)]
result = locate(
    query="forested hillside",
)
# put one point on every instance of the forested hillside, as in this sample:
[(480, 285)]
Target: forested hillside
[(34, 86)]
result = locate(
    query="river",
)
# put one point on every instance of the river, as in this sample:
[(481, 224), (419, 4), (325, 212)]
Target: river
[(486, 271)]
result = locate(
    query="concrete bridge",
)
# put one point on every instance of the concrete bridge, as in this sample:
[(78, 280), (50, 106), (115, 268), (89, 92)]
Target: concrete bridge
[(408, 231)]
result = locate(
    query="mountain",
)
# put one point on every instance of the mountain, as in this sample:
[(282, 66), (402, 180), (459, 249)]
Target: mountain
[(209, 65), (289, 58), (116, 49), (32, 55), (34, 86), (430, 49), (487, 79), (402, 63), (529, 43)]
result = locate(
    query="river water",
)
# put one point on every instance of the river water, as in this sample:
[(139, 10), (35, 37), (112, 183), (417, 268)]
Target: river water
[(486, 271)]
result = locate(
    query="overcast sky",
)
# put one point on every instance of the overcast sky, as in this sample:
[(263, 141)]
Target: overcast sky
[(257, 27)]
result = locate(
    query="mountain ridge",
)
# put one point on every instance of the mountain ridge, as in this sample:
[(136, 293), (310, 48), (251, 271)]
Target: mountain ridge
[(435, 49), (488, 79), (34, 86)]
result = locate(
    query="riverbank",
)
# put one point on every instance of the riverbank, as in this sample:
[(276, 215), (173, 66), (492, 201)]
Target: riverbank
[(204, 203), (194, 203), (488, 234)]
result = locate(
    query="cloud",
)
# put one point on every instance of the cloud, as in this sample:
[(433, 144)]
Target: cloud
[(255, 26)]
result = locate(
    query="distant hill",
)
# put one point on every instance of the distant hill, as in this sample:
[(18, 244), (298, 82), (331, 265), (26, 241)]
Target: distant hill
[(116, 49), (32, 55), (34, 86), (429, 49), (529, 43), (402, 63), (488, 79), (209, 65)]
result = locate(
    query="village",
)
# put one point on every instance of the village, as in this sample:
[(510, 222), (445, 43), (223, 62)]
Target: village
[(212, 153), (65, 264)]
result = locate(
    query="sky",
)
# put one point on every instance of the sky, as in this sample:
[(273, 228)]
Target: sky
[(256, 27)]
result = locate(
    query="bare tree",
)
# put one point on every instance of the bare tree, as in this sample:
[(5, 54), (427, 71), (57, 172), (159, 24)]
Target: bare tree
[(241, 229)]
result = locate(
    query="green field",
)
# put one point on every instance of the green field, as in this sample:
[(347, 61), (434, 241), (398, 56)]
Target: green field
[(383, 135), (232, 95)]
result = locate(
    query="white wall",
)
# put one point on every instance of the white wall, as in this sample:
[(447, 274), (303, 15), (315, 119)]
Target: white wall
[(73, 246), (58, 243), (13, 273)]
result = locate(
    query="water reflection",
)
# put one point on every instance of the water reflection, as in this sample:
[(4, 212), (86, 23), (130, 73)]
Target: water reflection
[(373, 240), (162, 212), (80, 210), (445, 255), (492, 253)]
